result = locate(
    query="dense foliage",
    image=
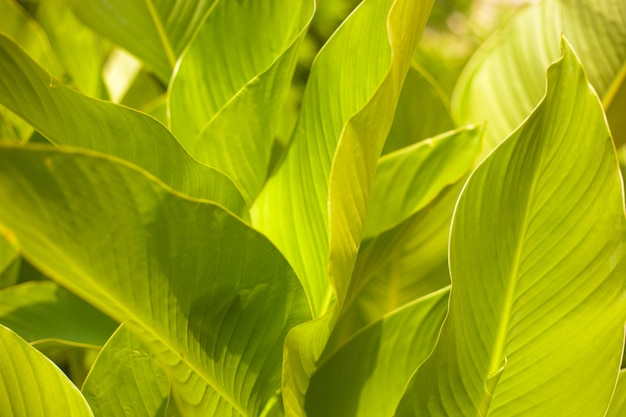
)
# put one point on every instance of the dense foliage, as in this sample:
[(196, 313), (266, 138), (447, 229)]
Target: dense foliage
[(267, 208)]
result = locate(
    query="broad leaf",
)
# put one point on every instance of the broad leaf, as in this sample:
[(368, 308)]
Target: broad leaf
[(537, 266), (9, 263), (209, 295), (618, 403), (237, 99), (422, 111), (409, 178), (66, 117), (506, 77), (155, 31), (313, 207), (42, 312), (31, 385), (367, 376), (126, 362)]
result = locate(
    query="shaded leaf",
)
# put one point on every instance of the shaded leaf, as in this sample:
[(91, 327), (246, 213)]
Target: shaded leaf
[(618, 403), (9, 263), (209, 295), (539, 232)]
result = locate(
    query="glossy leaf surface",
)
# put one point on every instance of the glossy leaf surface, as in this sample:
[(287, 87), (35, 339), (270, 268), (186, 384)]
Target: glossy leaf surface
[(537, 265)]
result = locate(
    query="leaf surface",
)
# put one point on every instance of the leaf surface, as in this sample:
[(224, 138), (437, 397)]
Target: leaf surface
[(618, 403), (237, 99), (209, 295), (506, 77), (366, 376), (537, 266), (31, 385), (66, 117), (41, 311), (9, 263), (155, 31)]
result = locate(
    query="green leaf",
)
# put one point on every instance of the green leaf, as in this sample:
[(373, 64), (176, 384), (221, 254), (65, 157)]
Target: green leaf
[(127, 378), (31, 385), (9, 263), (408, 179), (367, 375), (66, 117), (422, 111), (537, 264), (208, 294), (42, 312), (506, 77), (237, 100), (155, 31), (313, 207), (618, 403)]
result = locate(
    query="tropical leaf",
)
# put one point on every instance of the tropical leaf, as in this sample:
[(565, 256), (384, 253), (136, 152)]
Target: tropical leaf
[(237, 100), (9, 263), (66, 117), (506, 78), (41, 311), (537, 265), (126, 362), (618, 403), (206, 293), (32, 386), (155, 31), (313, 207), (422, 111), (367, 375), (408, 179)]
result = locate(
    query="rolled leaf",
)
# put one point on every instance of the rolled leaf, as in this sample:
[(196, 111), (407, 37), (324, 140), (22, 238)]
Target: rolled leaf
[(537, 265)]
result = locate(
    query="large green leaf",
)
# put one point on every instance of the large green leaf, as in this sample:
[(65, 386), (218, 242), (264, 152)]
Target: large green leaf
[(155, 31), (31, 385), (206, 293), (367, 376), (313, 207), (41, 311), (409, 178), (126, 362), (237, 99), (536, 320), (618, 403), (506, 77), (66, 117), (9, 263)]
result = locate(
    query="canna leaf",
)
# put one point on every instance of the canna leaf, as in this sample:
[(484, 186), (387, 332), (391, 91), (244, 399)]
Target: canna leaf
[(537, 265), (66, 117), (366, 376), (41, 311), (155, 31), (126, 362), (31, 385), (206, 293), (237, 100), (505, 79)]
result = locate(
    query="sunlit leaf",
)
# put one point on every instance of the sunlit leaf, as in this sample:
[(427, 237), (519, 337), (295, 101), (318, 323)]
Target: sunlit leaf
[(66, 117), (211, 297), (618, 403), (537, 266), (33, 386), (237, 100)]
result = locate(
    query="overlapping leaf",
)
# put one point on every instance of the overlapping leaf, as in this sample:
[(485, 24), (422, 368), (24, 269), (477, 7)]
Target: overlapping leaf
[(9, 263), (537, 262), (31, 385), (367, 376), (156, 31), (41, 311), (618, 403), (211, 297), (66, 117), (237, 98), (506, 78)]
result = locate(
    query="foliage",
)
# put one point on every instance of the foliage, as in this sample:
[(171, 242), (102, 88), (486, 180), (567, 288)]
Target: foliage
[(221, 225)]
